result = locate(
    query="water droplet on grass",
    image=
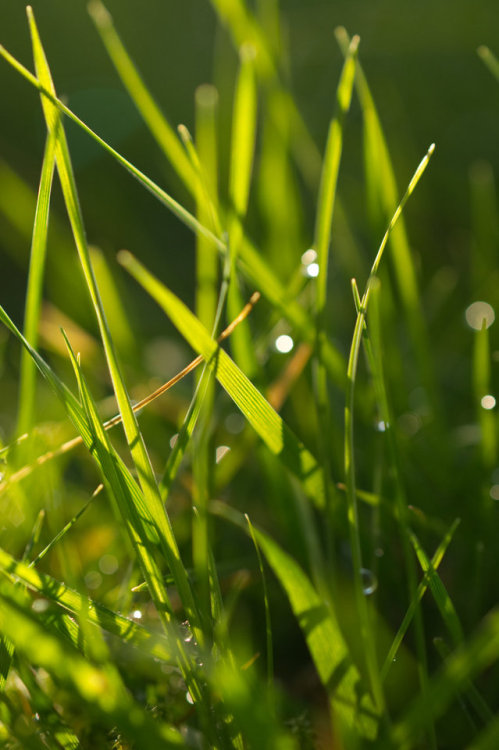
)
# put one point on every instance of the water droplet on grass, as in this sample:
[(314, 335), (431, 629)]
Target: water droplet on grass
[(488, 402), (477, 312), (284, 343), (369, 581)]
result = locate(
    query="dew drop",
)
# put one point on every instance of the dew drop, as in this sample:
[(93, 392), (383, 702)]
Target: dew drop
[(188, 698), (40, 605), (488, 402), (173, 440), (284, 343), (137, 614), (477, 312), (312, 270), (309, 256), (220, 452), (382, 426), (369, 581)]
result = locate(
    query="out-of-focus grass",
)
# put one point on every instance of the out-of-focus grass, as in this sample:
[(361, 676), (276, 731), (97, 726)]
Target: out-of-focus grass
[(134, 615)]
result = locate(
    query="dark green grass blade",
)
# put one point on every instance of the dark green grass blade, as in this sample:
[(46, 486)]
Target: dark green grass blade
[(262, 417), (353, 520), (27, 386), (100, 689), (327, 646), (435, 561), (479, 652)]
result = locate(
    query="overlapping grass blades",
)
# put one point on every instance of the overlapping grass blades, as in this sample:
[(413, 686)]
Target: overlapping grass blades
[(351, 705), (262, 417)]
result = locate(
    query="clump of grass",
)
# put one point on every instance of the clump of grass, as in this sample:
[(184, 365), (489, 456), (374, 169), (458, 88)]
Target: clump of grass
[(200, 540)]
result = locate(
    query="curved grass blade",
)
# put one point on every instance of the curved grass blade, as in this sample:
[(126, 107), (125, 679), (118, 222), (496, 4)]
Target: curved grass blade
[(99, 688), (435, 561), (27, 386), (384, 187), (159, 126), (364, 623), (133, 434), (326, 643), (262, 417), (126, 630), (490, 60)]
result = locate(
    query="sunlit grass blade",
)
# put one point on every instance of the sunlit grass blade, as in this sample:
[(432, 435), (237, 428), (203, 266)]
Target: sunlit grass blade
[(353, 520), (476, 654), (133, 434), (384, 184), (251, 262), (126, 630), (244, 120), (267, 423), (484, 400), (328, 649), (156, 121), (99, 688), (422, 587), (322, 241), (490, 60), (27, 386)]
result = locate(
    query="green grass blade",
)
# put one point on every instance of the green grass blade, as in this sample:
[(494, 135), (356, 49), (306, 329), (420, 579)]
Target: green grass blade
[(483, 398), (126, 630), (440, 594), (490, 60), (325, 641), (399, 637), (266, 601), (133, 434), (262, 417), (100, 689), (244, 120), (386, 197), (251, 262), (157, 123), (27, 386), (479, 652), (364, 624)]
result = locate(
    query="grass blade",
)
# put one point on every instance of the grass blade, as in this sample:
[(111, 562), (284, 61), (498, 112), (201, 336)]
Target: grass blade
[(157, 123), (325, 641), (27, 386), (364, 624), (262, 417), (134, 437)]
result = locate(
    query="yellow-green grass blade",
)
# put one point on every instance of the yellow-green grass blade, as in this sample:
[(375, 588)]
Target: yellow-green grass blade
[(326, 643), (353, 520), (99, 688), (27, 385), (490, 60), (251, 262), (422, 587), (126, 630), (244, 120), (322, 241), (477, 654), (263, 418), (134, 436), (484, 401), (386, 197), (156, 121)]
